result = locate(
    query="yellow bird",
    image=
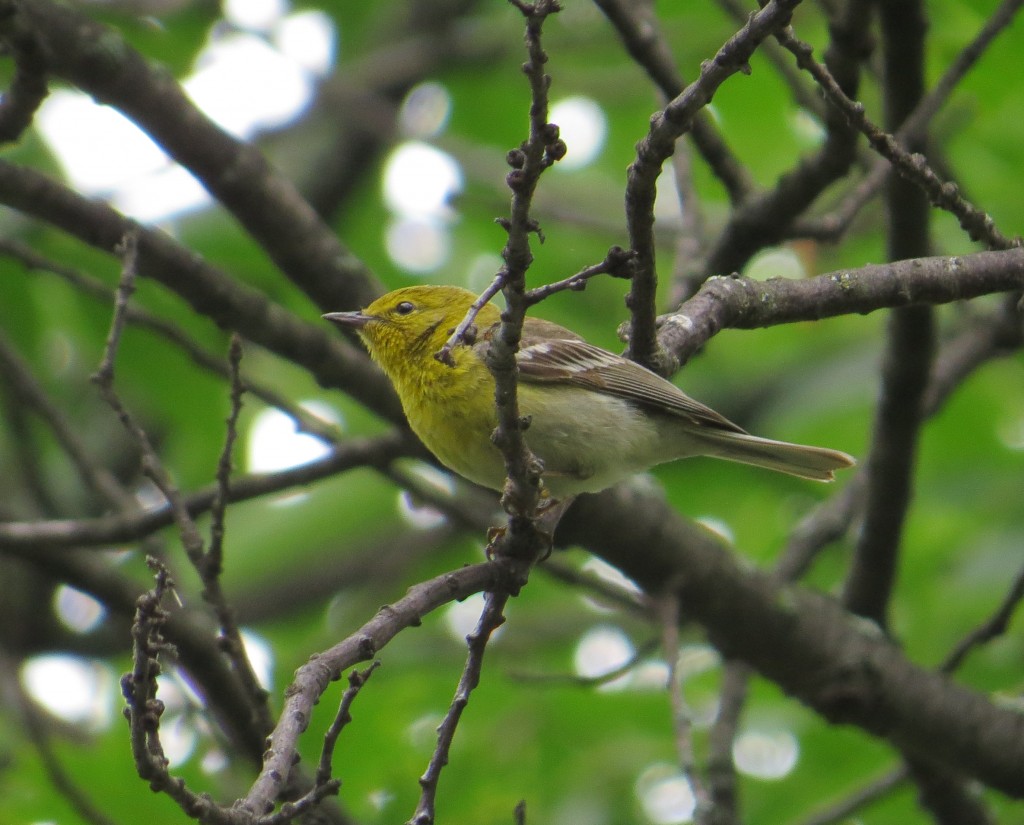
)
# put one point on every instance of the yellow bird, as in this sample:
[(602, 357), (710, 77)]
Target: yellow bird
[(595, 417)]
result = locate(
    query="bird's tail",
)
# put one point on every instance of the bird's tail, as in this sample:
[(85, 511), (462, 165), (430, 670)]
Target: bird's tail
[(816, 463)]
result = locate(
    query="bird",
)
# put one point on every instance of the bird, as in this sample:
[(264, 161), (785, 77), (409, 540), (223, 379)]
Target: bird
[(594, 417)]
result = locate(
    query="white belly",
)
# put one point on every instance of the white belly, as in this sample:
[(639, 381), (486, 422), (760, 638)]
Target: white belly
[(586, 454)]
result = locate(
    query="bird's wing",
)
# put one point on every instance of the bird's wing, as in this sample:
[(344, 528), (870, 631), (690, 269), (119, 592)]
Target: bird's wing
[(543, 358)]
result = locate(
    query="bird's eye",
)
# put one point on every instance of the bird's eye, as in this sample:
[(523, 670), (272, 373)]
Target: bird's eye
[(405, 307)]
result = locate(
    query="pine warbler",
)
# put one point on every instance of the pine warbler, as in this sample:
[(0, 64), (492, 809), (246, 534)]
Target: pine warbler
[(595, 417)]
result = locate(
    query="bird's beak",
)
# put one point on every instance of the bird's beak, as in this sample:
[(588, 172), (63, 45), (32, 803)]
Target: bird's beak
[(352, 320)]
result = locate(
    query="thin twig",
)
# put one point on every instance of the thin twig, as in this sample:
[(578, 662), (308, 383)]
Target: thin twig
[(832, 226), (541, 150), (66, 432), (314, 677), (191, 540), (945, 195), (519, 546), (644, 39), (842, 810), (144, 709), (22, 536), (138, 316), (657, 146), (996, 625), (104, 379), (617, 263), (215, 556), (574, 680), (209, 564), (682, 723), (491, 618), (126, 286), (461, 332), (356, 680), (723, 786)]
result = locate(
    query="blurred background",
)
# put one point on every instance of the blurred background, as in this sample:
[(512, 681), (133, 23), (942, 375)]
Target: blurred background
[(393, 120)]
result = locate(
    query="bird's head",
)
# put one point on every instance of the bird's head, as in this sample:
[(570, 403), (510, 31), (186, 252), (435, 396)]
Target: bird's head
[(411, 322)]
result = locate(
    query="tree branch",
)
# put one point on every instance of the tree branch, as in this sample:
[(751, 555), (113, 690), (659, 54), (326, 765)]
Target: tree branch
[(98, 61), (742, 303), (22, 538), (945, 195), (491, 618), (643, 38), (170, 332), (658, 145), (763, 220), (313, 678), (209, 291), (29, 87), (803, 641)]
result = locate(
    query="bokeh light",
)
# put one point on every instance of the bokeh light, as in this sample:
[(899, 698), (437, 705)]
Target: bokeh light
[(583, 126), (418, 244), (419, 184), (241, 80), (778, 262), (413, 510), (420, 181), (424, 112), (244, 85), (76, 610), (309, 40), (765, 755), (274, 442), (257, 15), (461, 618), (261, 657), (72, 688), (603, 650), (665, 795)]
